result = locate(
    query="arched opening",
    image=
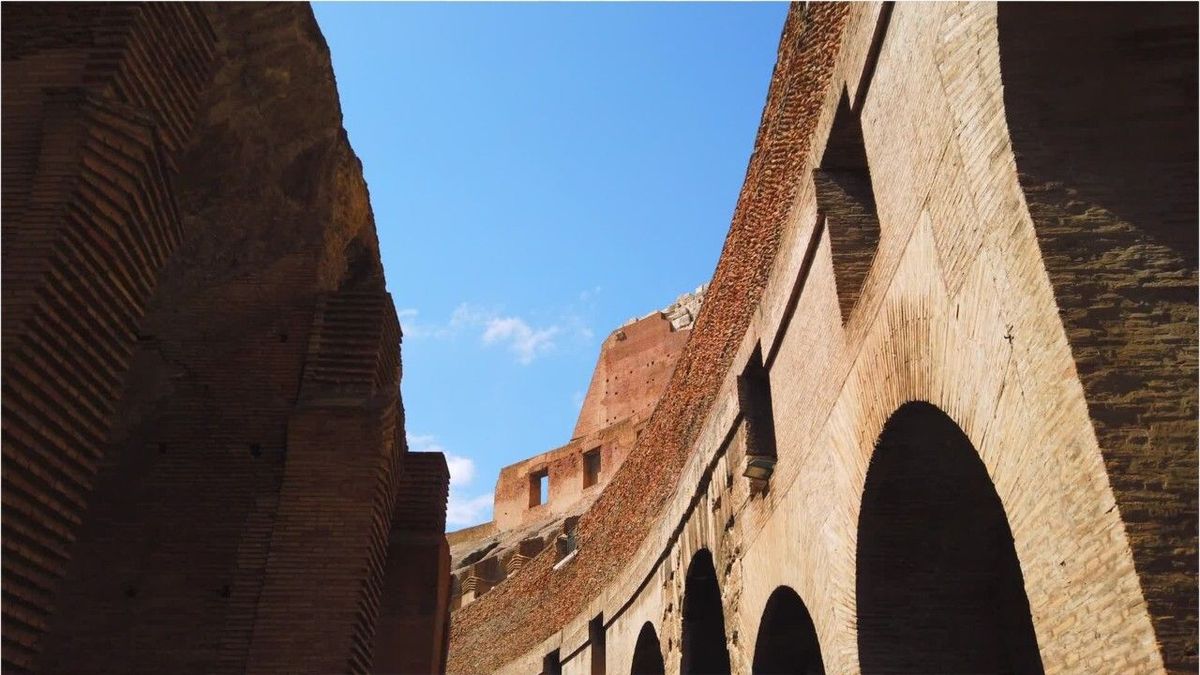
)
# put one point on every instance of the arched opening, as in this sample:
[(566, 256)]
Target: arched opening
[(787, 640), (704, 648), (647, 654), (939, 587)]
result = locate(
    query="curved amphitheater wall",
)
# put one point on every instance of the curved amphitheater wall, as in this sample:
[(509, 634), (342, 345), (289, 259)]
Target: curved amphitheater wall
[(956, 309)]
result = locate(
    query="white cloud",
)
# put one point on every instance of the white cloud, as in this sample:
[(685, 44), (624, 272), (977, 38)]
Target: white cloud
[(524, 341), (470, 511), (412, 326), (424, 443), (462, 470), (589, 294)]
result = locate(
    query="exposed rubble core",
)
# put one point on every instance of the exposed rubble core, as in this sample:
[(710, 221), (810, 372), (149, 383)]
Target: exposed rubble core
[(204, 459)]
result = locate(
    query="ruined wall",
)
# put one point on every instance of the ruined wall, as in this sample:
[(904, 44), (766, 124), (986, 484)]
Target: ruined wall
[(563, 468), (967, 307), (413, 631), (631, 373), (635, 365), (250, 459)]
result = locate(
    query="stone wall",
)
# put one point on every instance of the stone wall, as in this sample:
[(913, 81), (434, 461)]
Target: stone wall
[(91, 142), (634, 365)]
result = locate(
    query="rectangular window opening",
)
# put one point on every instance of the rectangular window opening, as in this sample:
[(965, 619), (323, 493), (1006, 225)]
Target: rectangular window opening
[(551, 665), (591, 468), (754, 398), (539, 488)]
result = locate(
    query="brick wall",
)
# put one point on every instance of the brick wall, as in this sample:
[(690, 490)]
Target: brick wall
[(1034, 281), (1102, 110), (413, 630), (91, 130), (631, 373), (203, 436)]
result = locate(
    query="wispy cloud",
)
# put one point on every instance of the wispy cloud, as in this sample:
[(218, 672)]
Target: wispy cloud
[(467, 512), (524, 340), (589, 294), (461, 510)]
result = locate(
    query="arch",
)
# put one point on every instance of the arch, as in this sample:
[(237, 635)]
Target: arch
[(647, 653), (787, 640), (704, 649), (939, 586)]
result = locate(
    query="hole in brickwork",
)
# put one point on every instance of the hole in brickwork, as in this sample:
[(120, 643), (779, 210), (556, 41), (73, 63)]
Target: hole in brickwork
[(539, 488), (591, 467), (939, 586), (846, 200), (478, 555), (704, 649), (256, 450), (647, 653), (787, 640), (754, 397)]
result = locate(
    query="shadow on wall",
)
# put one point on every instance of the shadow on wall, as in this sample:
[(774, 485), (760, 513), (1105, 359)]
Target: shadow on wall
[(1119, 102)]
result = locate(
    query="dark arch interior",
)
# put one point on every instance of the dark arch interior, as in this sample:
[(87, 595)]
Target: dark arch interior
[(703, 620), (787, 640), (647, 654), (939, 585)]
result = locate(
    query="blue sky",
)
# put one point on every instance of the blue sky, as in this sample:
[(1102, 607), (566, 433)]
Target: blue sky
[(539, 174)]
